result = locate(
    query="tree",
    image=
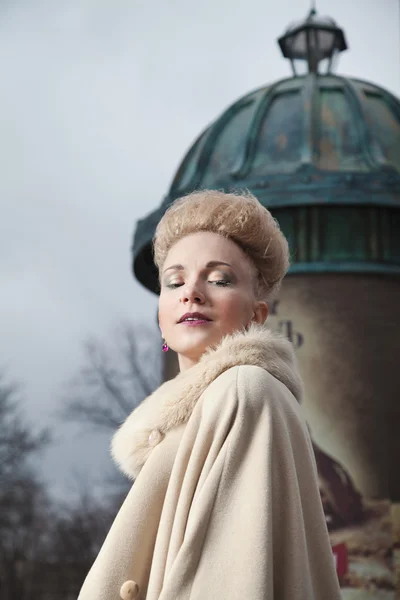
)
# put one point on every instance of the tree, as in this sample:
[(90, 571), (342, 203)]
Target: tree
[(115, 377), (77, 532), (46, 547), (23, 499), (17, 441)]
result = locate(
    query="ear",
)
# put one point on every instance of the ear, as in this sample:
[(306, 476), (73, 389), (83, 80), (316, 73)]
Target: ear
[(260, 312)]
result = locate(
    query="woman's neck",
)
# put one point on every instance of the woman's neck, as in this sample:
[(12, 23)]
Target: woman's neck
[(185, 362)]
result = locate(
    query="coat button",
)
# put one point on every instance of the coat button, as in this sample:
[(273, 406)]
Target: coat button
[(129, 590), (155, 437)]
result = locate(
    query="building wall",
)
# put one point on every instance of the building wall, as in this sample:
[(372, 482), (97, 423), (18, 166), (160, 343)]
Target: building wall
[(346, 331)]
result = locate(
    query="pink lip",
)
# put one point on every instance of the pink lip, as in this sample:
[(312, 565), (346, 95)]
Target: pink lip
[(195, 323), (200, 319)]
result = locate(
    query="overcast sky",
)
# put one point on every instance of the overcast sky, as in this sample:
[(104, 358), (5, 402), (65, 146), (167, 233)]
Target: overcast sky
[(99, 101)]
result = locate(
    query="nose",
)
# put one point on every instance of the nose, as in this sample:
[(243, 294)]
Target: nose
[(191, 295)]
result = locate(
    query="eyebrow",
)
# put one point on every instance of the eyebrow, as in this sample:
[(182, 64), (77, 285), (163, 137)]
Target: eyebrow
[(210, 265)]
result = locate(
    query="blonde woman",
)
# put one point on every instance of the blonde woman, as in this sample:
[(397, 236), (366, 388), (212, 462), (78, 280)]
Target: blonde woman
[(225, 501)]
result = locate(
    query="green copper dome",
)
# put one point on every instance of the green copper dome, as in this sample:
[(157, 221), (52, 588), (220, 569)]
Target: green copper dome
[(322, 152), (312, 126)]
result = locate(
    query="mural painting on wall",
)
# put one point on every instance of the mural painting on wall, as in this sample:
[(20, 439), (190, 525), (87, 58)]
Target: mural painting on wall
[(364, 531)]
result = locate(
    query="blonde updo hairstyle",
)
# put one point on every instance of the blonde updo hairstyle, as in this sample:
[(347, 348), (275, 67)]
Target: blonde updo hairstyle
[(238, 217)]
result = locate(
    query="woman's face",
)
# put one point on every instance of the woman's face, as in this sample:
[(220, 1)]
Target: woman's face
[(207, 292)]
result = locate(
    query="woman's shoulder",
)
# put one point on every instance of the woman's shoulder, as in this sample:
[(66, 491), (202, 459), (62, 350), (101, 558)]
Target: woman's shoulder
[(252, 378), (252, 387)]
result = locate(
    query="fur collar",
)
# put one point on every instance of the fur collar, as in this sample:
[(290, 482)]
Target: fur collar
[(173, 402)]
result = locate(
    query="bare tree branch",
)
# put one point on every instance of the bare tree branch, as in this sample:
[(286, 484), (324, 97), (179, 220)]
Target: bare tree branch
[(17, 441), (138, 375), (107, 377), (80, 410), (115, 377)]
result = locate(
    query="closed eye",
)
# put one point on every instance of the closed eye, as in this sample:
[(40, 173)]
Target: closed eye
[(221, 282), (173, 286), (216, 282)]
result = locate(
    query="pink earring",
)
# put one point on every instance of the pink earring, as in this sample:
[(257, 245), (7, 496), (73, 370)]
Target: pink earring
[(165, 347)]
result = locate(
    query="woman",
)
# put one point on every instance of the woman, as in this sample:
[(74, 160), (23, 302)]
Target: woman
[(225, 503)]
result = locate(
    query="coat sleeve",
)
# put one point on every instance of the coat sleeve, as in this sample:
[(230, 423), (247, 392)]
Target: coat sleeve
[(249, 521)]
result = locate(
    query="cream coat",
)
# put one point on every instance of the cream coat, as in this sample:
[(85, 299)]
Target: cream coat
[(225, 504)]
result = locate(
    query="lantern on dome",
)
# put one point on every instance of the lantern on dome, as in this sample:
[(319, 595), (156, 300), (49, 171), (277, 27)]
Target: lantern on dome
[(312, 41)]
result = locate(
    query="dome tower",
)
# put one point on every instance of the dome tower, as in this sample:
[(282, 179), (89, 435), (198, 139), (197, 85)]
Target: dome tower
[(322, 152)]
